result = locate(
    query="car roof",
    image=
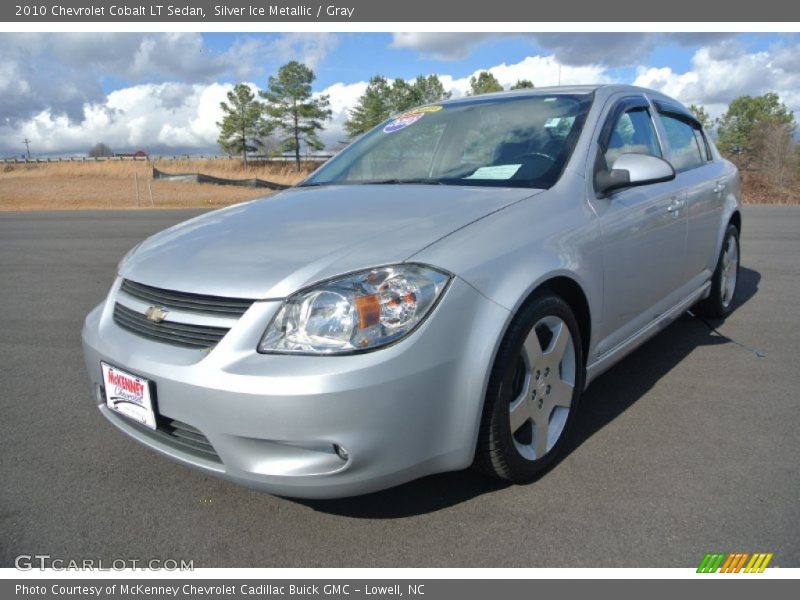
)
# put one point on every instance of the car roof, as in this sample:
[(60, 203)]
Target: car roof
[(600, 89)]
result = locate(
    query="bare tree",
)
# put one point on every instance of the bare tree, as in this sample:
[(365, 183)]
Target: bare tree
[(100, 150), (776, 156)]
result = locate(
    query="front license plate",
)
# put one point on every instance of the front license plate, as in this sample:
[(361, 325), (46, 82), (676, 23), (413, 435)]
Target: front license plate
[(128, 395)]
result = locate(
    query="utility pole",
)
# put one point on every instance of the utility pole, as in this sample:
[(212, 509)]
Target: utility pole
[(27, 143)]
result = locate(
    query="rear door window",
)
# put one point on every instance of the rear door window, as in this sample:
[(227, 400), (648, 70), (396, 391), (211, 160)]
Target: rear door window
[(686, 142)]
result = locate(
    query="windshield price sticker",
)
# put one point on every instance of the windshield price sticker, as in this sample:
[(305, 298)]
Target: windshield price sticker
[(410, 118), (402, 122)]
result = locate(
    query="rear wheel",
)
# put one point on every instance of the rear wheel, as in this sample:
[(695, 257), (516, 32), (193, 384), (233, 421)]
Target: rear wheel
[(533, 392), (719, 303)]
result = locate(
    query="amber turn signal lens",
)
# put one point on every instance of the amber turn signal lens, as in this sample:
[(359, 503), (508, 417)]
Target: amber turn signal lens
[(369, 310)]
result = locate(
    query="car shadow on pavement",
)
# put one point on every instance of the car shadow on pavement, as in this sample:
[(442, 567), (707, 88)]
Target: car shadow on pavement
[(609, 396)]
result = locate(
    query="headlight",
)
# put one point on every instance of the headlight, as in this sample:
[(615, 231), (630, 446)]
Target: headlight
[(357, 312)]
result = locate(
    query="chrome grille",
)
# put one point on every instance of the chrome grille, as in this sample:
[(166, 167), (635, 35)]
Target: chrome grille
[(213, 305), (169, 332)]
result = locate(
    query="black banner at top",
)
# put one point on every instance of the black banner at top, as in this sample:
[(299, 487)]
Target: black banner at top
[(445, 11)]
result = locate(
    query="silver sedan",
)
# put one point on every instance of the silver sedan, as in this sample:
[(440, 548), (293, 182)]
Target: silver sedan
[(436, 296)]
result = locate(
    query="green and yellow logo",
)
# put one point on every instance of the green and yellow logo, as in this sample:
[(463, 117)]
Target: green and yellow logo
[(719, 562)]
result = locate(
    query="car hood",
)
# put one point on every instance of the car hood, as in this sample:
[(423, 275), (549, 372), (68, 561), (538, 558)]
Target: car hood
[(271, 247)]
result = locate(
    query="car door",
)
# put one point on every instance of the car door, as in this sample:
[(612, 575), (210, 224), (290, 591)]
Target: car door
[(643, 229), (704, 180)]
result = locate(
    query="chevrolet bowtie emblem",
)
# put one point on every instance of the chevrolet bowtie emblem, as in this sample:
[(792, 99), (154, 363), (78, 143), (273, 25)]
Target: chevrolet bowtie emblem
[(156, 314)]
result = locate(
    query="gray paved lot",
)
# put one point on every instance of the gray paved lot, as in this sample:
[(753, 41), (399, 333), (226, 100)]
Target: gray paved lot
[(692, 444)]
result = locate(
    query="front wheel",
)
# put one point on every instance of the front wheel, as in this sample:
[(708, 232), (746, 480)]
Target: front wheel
[(533, 392), (719, 303)]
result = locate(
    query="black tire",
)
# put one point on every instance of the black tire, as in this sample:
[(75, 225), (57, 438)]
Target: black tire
[(497, 454), (717, 306)]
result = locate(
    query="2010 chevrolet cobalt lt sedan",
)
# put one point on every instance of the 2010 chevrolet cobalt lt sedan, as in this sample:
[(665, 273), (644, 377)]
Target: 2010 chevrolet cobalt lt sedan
[(436, 296)]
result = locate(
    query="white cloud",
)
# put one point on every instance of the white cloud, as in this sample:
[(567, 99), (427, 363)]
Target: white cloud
[(343, 96), (63, 72), (131, 118), (717, 77), (183, 115), (162, 116), (443, 46), (308, 48), (180, 115), (541, 70), (569, 48)]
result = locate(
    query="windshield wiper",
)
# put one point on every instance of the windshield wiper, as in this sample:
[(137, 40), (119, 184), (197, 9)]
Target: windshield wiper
[(398, 181), (392, 181), (312, 184)]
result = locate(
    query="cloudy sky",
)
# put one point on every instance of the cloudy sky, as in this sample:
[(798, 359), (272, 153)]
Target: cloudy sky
[(161, 91)]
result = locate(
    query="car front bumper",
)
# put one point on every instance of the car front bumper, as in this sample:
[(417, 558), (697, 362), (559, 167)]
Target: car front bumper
[(401, 412)]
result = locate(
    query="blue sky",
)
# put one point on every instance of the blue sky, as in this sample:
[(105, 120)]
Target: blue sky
[(359, 55), (161, 91)]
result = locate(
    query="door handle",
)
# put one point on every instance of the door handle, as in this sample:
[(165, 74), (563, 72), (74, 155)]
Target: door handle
[(675, 206), (719, 187)]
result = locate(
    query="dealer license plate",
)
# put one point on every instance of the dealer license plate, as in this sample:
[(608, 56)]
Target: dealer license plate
[(128, 395)]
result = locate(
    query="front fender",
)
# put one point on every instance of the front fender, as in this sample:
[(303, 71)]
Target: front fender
[(511, 253)]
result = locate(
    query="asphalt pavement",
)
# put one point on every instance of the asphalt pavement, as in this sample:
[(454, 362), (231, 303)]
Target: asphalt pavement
[(690, 445)]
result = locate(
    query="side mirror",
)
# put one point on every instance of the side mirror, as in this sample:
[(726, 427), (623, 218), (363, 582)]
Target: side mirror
[(631, 170)]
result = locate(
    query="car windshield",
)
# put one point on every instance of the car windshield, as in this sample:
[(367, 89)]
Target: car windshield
[(518, 141)]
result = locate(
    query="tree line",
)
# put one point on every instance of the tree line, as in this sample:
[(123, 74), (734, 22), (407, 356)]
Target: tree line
[(286, 116), (383, 98), (757, 133)]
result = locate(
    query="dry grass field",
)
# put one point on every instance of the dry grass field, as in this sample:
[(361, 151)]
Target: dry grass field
[(756, 189), (113, 184)]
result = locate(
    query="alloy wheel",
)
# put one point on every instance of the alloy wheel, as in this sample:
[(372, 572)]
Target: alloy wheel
[(543, 388), (730, 271)]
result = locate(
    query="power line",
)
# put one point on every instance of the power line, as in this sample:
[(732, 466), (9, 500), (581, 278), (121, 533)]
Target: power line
[(27, 143)]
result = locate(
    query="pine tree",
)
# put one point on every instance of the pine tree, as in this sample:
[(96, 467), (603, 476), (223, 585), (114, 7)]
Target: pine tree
[(522, 84), (381, 100), (243, 123), (402, 96), (293, 110), (484, 83), (429, 90), (373, 107)]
